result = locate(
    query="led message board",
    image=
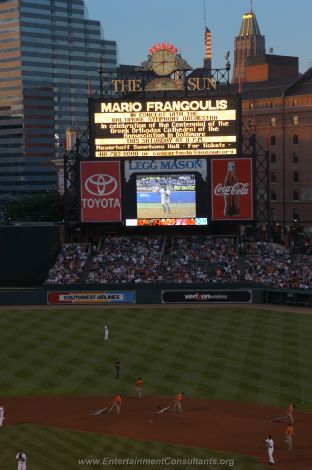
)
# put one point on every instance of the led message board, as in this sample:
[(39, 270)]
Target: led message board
[(172, 127)]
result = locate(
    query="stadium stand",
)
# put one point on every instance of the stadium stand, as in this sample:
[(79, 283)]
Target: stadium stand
[(127, 260), (187, 259), (70, 264)]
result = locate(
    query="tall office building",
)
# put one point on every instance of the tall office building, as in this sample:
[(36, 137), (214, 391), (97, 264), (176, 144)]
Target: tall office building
[(49, 51), (248, 43)]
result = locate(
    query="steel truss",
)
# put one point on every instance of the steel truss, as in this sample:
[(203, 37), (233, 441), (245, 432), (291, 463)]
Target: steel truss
[(250, 147)]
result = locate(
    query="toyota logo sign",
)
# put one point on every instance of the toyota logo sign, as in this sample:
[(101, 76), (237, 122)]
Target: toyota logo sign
[(101, 184)]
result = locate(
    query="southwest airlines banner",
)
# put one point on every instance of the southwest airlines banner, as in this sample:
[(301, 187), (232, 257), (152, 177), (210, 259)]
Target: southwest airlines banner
[(91, 297), (100, 191)]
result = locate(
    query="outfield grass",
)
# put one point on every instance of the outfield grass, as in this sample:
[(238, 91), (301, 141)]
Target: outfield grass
[(58, 449), (245, 355)]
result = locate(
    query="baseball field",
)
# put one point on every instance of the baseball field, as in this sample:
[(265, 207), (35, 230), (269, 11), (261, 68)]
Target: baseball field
[(237, 367), (155, 210)]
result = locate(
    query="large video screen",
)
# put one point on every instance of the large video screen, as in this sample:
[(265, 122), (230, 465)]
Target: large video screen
[(166, 196), (173, 127)]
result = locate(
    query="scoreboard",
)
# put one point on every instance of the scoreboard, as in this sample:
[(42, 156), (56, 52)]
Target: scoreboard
[(186, 127), (166, 161)]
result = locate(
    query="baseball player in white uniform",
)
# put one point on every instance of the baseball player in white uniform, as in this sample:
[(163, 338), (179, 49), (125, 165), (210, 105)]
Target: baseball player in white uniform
[(270, 446), (165, 198), (106, 332), (21, 460), (1, 414)]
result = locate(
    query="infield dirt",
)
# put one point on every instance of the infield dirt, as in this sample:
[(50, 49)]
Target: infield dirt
[(216, 425)]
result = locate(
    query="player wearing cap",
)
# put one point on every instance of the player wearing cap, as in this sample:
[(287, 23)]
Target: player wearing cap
[(138, 387), (177, 404), (289, 434), (116, 405)]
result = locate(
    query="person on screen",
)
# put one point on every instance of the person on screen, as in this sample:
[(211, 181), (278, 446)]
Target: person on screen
[(165, 198)]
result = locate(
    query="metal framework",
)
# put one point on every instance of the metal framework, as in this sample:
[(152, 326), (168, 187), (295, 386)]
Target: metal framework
[(250, 147)]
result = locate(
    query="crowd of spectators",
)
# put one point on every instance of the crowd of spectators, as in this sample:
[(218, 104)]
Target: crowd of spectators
[(126, 259), (189, 259), (69, 264), (274, 265), (201, 259)]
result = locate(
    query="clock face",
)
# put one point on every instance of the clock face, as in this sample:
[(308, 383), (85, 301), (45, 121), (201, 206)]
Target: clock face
[(163, 62)]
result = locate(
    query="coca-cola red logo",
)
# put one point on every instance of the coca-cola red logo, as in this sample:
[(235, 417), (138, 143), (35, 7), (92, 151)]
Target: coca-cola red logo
[(237, 189)]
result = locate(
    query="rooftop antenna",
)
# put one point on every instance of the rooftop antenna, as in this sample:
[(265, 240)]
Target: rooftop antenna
[(251, 6), (204, 14)]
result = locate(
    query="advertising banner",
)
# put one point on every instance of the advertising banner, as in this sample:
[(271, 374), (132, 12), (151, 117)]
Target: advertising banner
[(206, 296), (232, 189), (91, 297), (100, 191), (163, 166)]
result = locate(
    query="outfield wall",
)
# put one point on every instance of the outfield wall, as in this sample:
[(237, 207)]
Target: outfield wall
[(164, 294)]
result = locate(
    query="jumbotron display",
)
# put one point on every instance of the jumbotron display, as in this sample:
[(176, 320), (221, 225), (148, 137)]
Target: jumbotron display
[(171, 196), (176, 127)]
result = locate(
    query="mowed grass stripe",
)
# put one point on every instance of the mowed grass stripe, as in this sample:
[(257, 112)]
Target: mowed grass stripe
[(234, 354), (59, 449)]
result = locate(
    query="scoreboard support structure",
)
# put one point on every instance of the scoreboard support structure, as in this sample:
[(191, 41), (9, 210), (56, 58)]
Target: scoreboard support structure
[(248, 146)]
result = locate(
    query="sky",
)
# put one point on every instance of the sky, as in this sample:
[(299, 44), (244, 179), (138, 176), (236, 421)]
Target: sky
[(138, 24)]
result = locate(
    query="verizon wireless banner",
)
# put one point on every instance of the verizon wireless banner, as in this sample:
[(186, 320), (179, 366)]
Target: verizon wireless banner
[(232, 189), (100, 191)]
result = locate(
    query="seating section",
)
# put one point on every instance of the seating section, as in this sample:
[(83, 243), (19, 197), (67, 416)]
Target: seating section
[(70, 264), (273, 265), (127, 259), (187, 259)]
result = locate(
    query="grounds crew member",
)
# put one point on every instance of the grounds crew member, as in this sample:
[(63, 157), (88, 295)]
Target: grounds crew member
[(290, 410), (289, 434), (177, 404), (116, 404), (138, 387)]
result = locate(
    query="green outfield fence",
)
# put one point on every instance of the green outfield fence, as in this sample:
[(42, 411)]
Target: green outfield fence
[(155, 294)]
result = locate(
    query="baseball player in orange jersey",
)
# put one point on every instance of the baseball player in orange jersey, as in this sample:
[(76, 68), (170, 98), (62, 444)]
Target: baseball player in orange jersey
[(138, 387), (116, 404), (289, 434), (177, 404)]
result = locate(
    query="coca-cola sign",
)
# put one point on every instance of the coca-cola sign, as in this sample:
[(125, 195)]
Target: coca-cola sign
[(100, 192), (232, 189), (237, 188)]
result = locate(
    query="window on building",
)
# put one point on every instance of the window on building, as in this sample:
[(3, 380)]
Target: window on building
[(273, 213), (250, 123), (273, 195), (296, 177), (273, 177), (295, 120), (295, 157), (251, 106), (295, 139), (296, 214), (273, 121), (273, 158), (296, 195), (273, 140)]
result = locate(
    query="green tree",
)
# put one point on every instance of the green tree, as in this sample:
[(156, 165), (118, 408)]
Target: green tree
[(41, 207)]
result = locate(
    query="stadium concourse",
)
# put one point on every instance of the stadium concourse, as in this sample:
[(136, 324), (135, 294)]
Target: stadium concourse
[(187, 259)]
